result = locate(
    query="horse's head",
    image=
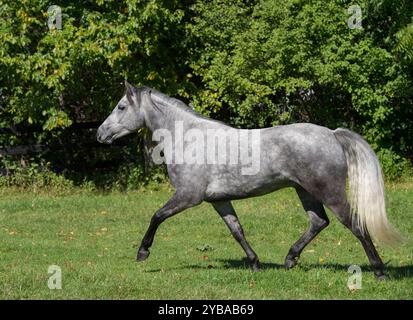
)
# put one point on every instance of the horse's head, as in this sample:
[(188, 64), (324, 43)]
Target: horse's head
[(126, 117)]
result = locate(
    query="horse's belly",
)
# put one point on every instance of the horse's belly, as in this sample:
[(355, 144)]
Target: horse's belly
[(227, 189)]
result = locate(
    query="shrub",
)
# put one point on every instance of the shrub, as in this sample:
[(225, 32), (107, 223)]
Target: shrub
[(394, 166)]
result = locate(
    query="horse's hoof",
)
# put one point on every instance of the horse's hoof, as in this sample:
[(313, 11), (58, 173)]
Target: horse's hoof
[(255, 266), (142, 255), (382, 277), (290, 263)]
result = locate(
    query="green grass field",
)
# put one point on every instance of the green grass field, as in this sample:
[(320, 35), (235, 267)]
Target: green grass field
[(93, 238)]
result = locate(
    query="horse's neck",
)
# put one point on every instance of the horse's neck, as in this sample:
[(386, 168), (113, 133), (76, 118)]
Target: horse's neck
[(168, 117)]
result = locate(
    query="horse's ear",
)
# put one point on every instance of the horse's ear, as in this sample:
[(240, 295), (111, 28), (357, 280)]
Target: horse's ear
[(130, 91)]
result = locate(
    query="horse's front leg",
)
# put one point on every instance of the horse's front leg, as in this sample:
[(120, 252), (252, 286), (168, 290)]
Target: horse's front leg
[(179, 202), (227, 213)]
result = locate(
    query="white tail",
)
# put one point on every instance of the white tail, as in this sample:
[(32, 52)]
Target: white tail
[(367, 188)]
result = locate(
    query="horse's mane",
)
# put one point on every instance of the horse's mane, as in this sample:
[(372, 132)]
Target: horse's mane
[(170, 104), (166, 100)]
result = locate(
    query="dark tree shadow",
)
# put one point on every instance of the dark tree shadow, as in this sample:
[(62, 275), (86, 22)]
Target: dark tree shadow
[(245, 264), (225, 264), (394, 272)]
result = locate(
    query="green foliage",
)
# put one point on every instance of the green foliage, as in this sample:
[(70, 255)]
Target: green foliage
[(253, 63), (405, 42), (34, 177), (394, 166), (278, 62), (56, 119), (53, 77), (130, 177)]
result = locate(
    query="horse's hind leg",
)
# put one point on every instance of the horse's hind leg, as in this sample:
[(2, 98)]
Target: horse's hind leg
[(318, 221), (343, 214), (227, 213)]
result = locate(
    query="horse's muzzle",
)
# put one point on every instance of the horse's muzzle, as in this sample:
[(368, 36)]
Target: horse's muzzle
[(103, 136)]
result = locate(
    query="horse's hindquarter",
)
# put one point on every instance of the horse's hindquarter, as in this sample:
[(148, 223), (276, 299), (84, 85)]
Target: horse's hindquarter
[(300, 154), (312, 156)]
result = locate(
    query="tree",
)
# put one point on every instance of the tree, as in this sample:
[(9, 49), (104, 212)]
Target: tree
[(253, 63), (277, 62), (56, 77)]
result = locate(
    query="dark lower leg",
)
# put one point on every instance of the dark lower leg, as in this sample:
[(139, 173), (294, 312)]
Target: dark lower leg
[(227, 213), (345, 217), (318, 221), (172, 207), (316, 225), (373, 256)]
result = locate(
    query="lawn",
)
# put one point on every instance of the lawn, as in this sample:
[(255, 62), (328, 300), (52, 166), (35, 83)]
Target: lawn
[(93, 238)]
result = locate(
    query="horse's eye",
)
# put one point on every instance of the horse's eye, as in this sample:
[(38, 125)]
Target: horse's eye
[(121, 107)]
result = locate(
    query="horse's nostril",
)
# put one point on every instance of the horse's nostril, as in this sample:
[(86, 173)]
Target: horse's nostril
[(99, 134)]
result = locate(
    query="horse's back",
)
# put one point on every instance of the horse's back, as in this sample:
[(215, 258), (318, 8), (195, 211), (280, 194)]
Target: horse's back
[(299, 154)]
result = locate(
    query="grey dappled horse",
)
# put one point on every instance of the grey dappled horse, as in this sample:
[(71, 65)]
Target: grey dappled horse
[(312, 159)]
